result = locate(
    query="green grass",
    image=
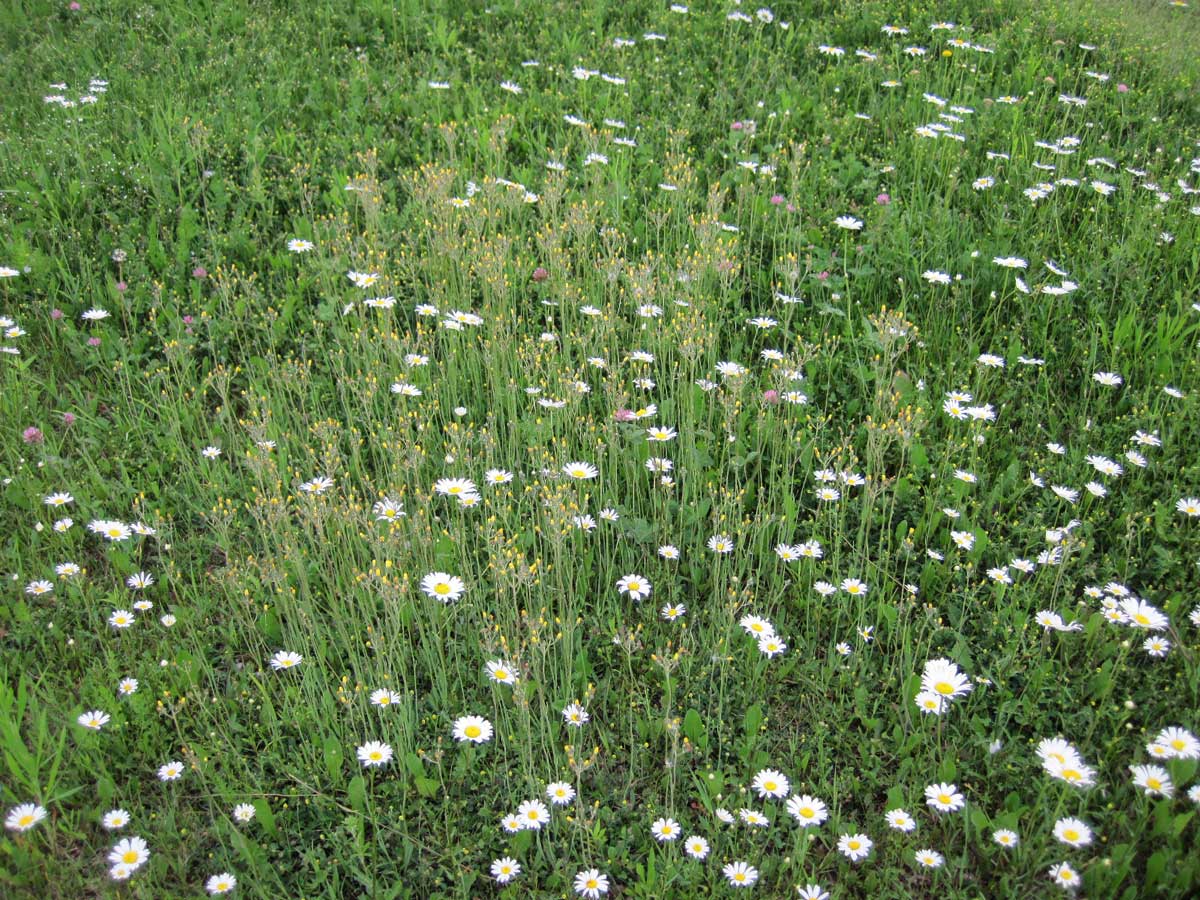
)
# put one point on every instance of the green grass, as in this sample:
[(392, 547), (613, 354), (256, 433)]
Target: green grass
[(224, 133)]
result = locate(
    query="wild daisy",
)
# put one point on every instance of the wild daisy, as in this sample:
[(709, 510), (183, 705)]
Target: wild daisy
[(591, 883), (1065, 876), (1153, 780), (580, 470), (740, 874), (944, 797), (374, 754), (454, 487), (443, 586), (1073, 832), (94, 720), (286, 659), (720, 543), (244, 812), (753, 818), (635, 587), (502, 672), (384, 697), (1005, 838), (533, 814), (220, 884), (665, 830), (943, 678), (808, 811), (505, 869), (24, 816), (769, 783), (1189, 506), (672, 611), (855, 847), (575, 715), (929, 859), (473, 729), (1180, 742), (115, 819), (771, 646), (560, 793), (139, 581), (755, 626), (131, 852)]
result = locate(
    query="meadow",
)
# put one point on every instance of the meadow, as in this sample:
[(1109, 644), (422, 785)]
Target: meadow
[(620, 449)]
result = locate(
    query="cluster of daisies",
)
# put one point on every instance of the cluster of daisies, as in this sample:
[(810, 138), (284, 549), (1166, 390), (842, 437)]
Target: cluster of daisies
[(942, 683), (128, 854)]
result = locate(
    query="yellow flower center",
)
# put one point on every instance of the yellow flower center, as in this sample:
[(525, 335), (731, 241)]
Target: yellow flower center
[(854, 845), (1153, 783), (25, 821), (769, 786), (1070, 775), (740, 876), (129, 856), (1071, 834), (944, 798), (944, 687), (442, 588), (592, 884), (472, 731), (807, 813), (376, 755)]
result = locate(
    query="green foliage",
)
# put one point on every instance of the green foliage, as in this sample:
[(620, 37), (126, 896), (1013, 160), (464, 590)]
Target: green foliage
[(700, 194)]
